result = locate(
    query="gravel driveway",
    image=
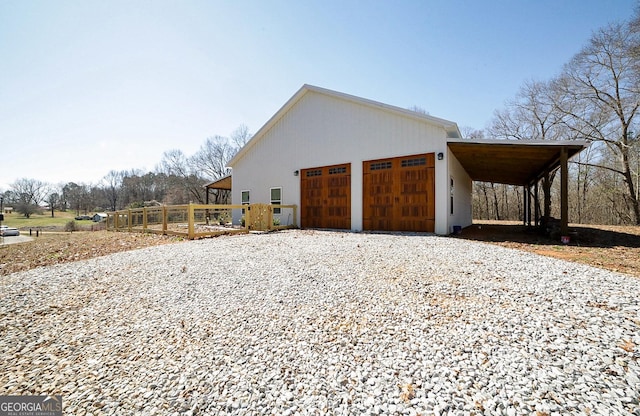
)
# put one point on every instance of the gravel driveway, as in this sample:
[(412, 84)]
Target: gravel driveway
[(318, 322)]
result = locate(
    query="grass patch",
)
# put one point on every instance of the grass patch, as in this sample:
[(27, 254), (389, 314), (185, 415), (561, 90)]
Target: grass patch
[(43, 220)]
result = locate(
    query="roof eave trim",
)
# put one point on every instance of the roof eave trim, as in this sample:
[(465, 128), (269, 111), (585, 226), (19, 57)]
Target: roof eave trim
[(505, 142)]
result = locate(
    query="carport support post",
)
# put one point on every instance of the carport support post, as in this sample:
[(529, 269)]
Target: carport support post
[(564, 190), (546, 196), (524, 205), (529, 205), (536, 204)]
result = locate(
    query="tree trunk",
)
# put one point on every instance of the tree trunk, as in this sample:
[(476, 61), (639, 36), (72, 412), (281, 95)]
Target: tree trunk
[(486, 198), (546, 192), (578, 200), (495, 201), (632, 195), (505, 202), (584, 192)]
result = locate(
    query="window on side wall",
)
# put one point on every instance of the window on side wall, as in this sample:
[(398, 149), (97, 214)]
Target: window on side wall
[(245, 199), (276, 199)]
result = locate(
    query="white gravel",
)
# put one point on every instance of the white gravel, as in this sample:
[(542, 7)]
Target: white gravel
[(318, 322)]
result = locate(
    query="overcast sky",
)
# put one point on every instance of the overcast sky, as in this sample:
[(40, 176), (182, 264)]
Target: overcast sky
[(92, 86)]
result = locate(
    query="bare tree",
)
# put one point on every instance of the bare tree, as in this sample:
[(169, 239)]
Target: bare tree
[(418, 109), (533, 115), (472, 133), (53, 200), (28, 194), (174, 162), (77, 196), (212, 157), (112, 186), (181, 171), (599, 99), (240, 136), (209, 162)]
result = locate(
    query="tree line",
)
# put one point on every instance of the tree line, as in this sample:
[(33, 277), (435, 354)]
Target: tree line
[(595, 98), (177, 179)]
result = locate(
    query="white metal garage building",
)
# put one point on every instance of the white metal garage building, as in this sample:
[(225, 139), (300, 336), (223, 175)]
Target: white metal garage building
[(352, 163)]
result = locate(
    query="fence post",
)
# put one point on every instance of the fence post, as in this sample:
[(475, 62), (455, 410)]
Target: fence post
[(165, 219), (129, 220), (192, 219), (295, 216), (144, 219), (269, 217)]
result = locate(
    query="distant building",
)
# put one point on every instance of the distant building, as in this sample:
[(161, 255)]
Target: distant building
[(100, 216)]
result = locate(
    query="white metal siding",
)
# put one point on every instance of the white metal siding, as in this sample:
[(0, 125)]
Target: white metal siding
[(462, 196), (322, 130)]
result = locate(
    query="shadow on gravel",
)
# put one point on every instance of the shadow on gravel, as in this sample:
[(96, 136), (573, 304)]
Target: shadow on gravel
[(583, 236)]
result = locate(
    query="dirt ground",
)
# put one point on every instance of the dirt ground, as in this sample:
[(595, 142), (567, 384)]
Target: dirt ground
[(60, 247), (614, 248), (609, 247)]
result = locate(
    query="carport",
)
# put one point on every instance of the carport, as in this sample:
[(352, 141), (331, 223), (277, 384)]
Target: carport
[(522, 163), (221, 188)]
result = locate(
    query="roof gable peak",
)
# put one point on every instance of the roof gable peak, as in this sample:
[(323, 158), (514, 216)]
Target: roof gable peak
[(449, 126)]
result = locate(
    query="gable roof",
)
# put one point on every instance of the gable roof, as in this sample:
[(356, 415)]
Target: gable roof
[(449, 126)]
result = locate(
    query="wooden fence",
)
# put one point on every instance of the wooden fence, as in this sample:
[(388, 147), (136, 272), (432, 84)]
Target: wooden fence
[(200, 220)]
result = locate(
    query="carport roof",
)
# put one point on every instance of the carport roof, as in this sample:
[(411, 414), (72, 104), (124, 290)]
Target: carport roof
[(222, 183), (513, 162)]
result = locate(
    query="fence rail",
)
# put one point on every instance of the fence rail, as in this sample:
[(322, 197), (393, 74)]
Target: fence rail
[(200, 220)]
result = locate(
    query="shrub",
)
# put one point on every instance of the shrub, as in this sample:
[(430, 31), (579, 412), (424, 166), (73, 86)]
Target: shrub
[(71, 226)]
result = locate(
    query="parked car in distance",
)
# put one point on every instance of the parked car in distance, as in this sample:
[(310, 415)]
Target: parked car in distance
[(8, 231), (83, 217)]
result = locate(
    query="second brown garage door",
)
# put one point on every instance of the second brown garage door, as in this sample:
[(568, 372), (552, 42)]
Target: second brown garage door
[(326, 197), (399, 194)]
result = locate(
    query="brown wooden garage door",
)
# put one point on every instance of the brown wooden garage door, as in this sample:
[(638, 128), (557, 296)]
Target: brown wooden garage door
[(399, 194), (326, 197)]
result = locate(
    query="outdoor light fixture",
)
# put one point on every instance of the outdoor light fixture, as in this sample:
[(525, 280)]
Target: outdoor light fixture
[(296, 173), (440, 156)]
